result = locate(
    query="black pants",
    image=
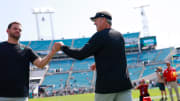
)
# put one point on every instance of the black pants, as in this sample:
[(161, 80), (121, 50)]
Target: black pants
[(141, 97)]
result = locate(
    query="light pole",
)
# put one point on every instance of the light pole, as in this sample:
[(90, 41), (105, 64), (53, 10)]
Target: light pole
[(49, 11), (145, 26), (37, 23)]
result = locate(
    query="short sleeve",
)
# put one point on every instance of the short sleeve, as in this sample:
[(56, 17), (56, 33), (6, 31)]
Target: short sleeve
[(32, 55)]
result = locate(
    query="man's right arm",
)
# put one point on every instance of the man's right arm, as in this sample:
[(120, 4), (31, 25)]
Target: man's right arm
[(41, 62), (90, 48)]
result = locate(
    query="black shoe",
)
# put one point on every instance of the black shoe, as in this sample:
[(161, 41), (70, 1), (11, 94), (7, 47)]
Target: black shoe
[(162, 99), (166, 98)]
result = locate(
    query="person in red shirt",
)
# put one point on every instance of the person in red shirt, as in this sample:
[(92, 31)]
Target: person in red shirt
[(143, 88), (170, 77)]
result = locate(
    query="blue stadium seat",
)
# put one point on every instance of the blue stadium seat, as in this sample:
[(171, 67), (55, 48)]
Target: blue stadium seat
[(151, 69), (82, 79), (24, 42), (42, 45), (83, 64), (79, 43), (65, 65), (164, 53), (134, 72), (57, 80)]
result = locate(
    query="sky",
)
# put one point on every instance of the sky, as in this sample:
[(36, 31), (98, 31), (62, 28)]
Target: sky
[(71, 18)]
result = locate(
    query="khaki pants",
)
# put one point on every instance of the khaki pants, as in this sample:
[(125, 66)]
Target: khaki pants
[(170, 85), (120, 96), (13, 99)]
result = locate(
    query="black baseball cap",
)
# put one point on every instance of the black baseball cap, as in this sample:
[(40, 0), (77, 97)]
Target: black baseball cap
[(105, 14)]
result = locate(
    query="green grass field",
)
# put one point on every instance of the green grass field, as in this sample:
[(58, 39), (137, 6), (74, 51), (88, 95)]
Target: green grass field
[(155, 95)]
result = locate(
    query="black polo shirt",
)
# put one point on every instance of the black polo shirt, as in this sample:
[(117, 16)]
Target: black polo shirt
[(108, 48)]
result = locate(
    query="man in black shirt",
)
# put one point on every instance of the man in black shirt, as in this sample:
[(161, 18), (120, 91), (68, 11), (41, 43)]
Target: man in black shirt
[(14, 66), (107, 46)]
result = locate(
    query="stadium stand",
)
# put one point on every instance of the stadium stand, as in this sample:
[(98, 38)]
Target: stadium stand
[(42, 45), (78, 43), (83, 64), (67, 42), (81, 79), (135, 72), (163, 53), (65, 71), (59, 80), (61, 65), (26, 43), (148, 55), (132, 59), (151, 69)]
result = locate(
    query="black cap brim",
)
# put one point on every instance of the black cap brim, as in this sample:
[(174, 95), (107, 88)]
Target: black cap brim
[(101, 14), (92, 18)]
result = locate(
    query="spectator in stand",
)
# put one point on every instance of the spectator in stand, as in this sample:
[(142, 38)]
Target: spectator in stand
[(171, 80), (143, 88), (161, 82)]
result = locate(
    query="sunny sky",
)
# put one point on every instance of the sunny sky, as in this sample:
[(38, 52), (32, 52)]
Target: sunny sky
[(71, 18)]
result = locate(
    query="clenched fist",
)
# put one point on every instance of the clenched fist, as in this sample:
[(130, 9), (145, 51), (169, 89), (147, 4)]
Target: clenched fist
[(57, 46)]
